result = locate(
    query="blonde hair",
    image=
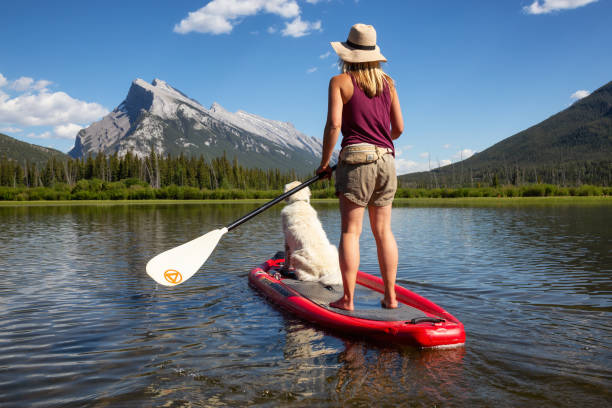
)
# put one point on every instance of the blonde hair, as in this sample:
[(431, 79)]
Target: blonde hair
[(369, 76)]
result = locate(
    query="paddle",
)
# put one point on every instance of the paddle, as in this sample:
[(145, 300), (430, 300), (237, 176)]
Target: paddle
[(178, 264)]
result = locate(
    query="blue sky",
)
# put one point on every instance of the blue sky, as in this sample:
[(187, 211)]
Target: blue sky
[(468, 73)]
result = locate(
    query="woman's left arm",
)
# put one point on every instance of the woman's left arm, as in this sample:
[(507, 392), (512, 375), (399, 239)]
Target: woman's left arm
[(333, 124)]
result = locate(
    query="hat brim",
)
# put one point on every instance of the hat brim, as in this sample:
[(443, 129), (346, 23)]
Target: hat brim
[(350, 54)]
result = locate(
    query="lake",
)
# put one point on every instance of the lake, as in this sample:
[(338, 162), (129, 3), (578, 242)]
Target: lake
[(82, 325)]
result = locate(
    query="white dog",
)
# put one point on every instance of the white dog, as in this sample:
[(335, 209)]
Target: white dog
[(307, 248)]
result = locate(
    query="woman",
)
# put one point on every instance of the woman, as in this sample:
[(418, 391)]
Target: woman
[(363, 103)]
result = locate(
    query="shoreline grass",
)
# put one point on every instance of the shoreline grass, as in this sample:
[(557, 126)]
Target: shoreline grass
[(129, 202), (403, 202), (98, 190), (502, 201)]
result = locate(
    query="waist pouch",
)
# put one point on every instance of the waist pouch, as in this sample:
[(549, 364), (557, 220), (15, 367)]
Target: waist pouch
[(362, 153)]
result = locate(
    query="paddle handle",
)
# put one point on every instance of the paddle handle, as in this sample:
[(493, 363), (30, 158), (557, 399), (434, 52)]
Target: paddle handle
[(277, 200)]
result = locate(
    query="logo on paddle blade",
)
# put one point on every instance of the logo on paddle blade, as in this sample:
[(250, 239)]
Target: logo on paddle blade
[(173, 276)]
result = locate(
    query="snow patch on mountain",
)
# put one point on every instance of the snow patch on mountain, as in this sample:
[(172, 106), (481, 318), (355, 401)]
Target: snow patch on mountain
[(281, 133)]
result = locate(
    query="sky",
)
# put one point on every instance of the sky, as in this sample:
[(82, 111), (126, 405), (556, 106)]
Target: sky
[(468, 73)]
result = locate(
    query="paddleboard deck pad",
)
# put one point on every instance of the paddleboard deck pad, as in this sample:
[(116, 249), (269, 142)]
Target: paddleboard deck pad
[(417, 321)]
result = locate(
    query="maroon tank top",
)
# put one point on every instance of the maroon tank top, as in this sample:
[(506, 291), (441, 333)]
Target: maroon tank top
[(367, 120)]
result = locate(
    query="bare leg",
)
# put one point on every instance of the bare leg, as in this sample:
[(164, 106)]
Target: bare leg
[(386, 247), (352, 220)]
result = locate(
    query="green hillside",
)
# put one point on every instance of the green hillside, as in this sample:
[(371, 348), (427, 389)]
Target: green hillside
[(22, 152), (572, 147)]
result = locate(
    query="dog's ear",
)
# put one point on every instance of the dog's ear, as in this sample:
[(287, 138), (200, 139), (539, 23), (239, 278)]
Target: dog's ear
[(291, 185)]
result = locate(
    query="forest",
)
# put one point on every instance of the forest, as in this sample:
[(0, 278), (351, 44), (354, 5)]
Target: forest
[(131, 177), (154, 170), (166, 177), (568, 174)]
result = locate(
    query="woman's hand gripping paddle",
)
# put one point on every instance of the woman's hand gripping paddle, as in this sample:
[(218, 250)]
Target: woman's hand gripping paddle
[(178, 264)]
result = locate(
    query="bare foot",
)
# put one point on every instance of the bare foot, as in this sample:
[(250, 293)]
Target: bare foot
[(388, 305), (343, 304)]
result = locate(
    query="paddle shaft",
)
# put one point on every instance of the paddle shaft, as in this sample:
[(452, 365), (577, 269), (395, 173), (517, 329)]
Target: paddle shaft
[(277, 200)]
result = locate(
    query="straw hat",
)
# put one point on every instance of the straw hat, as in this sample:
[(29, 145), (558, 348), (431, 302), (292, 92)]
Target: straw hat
[(360, 45)]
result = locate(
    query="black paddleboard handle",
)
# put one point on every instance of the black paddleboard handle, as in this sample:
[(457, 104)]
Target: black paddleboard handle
[(277, 200), (418, 320)]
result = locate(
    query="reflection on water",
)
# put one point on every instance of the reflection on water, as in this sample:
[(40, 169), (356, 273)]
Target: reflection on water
[(82, 325)]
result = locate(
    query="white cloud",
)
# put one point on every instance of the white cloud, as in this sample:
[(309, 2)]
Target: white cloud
[(323, 56), (28, 84), (284, 8), (22, 84), (580, 94), (463, 154), (11, 130), (272, 30), (311, 70), (41, 84), (403, 166), (446, 146), (44, 135), (220, 16), (400, 150), (34, 105), (298, 28), (3, 80), (548, 6), (46, 108), (67, 131)]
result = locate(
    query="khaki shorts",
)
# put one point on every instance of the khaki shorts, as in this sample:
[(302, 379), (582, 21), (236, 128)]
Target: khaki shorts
[(371, 183)]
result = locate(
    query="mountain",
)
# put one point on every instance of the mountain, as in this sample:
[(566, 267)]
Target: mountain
[(22, 152), (575, 139), (161, 117)]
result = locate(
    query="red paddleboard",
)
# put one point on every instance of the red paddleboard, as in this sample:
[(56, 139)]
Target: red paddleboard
[(418, 321)]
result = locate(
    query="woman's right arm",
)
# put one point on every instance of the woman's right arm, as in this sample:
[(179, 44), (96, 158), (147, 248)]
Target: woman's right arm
[(397, 121)]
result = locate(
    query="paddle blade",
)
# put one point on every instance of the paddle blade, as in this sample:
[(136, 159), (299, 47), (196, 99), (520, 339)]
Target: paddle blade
[(178, 264)]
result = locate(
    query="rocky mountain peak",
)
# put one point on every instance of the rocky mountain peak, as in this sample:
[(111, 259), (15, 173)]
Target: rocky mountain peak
[(216, 108), (165, 98), (158, 116), (160, 83)]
